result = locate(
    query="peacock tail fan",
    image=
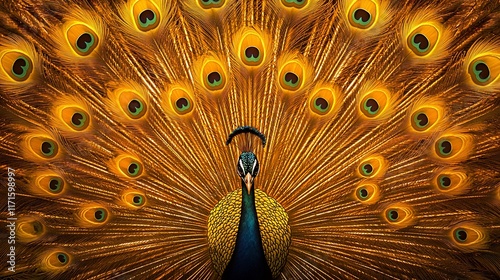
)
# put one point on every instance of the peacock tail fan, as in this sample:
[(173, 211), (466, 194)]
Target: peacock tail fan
[(380, 155)]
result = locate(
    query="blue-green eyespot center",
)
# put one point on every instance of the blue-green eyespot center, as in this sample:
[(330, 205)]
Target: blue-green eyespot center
[(214, 79), (367, 169), (79, 119), (445, 147), (291, 79), (371, 106), (361, 17), (210, 2), (134, 168), (392, 215), (100, 215), (135, 107), (421, 120), (363, 193), (182, 104), (62, 258), (420, 42), (138, 200), (460, 235), (21, 67), (147, 18), (85, 42), (481, 71), (55, 185), (47, 148), (444, 181), (321, 104), (299, 2), (252, 54)]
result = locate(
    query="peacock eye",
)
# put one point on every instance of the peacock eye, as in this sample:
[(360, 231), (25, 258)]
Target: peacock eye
[(213, 76), (367, 193), (75, 118), (298, 4), (82, 39), (367, 169), (420, 42), (129, 166), (444, 181), (134, 199), (182, 104), (423, 39), (56, 185), (240, 168), (445, 147), (291, 79), (134, 169), (399, 215), (21, 67), (100, 215), (62, 258), (361, 17), (209, 4), (460, 235), (135, 107), (214, 79), (56, 260), (255, 169), (17, 65), (252, 54), (371, 106), (132, 104), (362, 14), (321, 104)]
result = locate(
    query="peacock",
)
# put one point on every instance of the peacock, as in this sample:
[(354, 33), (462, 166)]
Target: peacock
[(259, 139)]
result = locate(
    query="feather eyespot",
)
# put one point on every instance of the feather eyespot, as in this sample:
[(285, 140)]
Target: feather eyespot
[(373, 103), (82, 39), (210, 4), (181, 101), (373, 166), (29, 229), (51, 184), (93, 215), (56, 261), (146, 15), (362, 14), (423, 39), (133, 199), (452, 146), (291, 76), (132, 104), (298, 4), (17, 65), (367, 193), (399, 215), (450, 182), (468, 236), (76, 118), (484, 69), (322, 101), (213, 76), (130, 166), (43, 147), (425, 118)]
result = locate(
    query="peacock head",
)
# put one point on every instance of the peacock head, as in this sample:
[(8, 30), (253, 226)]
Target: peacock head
[(248, 168), (248, 165)]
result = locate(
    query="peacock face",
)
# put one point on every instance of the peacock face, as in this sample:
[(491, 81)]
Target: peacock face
[(248, 168)]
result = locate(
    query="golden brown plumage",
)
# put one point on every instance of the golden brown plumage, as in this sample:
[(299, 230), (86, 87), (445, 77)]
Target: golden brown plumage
[(381, 120)]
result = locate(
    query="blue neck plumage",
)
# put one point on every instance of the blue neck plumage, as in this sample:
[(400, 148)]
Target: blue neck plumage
[(248, 260)]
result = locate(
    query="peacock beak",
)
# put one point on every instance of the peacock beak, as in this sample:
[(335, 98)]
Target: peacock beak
[(248, 182)]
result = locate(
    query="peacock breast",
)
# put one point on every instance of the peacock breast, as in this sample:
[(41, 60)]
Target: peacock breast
[(273, 224)]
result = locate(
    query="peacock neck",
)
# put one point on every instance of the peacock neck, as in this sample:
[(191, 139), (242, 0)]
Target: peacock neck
[(248, 260)]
